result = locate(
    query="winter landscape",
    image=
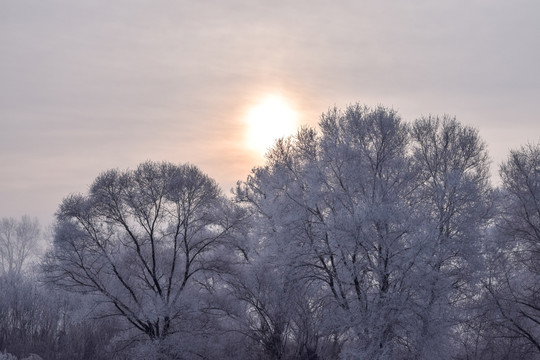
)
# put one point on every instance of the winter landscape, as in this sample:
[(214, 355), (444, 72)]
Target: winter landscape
[(302, 180)]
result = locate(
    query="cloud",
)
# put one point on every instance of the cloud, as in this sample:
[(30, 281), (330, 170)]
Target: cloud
[(88, 85)]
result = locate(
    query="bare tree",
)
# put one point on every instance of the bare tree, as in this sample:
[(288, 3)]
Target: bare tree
[(145, 242), (18, 243)]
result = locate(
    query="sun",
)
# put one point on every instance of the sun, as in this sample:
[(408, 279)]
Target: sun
[(272, 118)]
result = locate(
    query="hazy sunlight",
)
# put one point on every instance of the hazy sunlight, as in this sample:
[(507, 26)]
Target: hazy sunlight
[(269, 120)]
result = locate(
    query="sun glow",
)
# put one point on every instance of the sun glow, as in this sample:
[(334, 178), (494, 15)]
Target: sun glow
[(268, 121)]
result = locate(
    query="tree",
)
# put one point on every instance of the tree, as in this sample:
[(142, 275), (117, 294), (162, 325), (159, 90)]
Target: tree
[(276, 313), (18, 243), (34, 319), (515, 283), (145, 243), (455, 196), (338, 206)]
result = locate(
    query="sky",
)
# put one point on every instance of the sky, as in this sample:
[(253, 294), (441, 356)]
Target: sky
[(91, 85)]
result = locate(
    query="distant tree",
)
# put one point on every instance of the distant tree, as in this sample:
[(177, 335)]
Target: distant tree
[(145, 243), (34, 319), (18, 243)]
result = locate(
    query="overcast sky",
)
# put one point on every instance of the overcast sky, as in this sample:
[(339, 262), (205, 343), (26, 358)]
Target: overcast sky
[(89, 85)]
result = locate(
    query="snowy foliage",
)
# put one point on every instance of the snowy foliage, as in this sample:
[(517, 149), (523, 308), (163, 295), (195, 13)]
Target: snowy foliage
[(146, 241), (367, 238)]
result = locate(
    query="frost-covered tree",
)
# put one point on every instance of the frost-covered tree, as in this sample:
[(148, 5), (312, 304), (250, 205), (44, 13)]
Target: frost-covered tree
[(144, 243), (454, 195), (276, 313), (34, 319), (339, 208), (18, 243), (386, 219), (515, 283)]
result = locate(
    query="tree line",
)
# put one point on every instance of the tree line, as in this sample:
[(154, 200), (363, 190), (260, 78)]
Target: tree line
[(367, 238)]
